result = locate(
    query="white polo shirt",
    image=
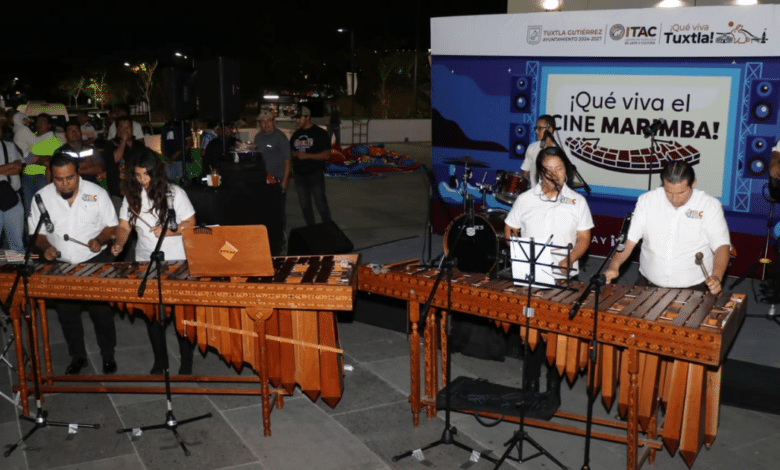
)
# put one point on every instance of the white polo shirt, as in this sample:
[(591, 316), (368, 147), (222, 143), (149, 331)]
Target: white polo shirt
[(672, 237), (173, 247), (91, 212), (538, 217), (529, 164)]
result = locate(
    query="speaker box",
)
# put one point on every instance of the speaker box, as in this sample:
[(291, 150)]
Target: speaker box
[(764, 98), (521, 88), (217, 82), (520, 135), (758, 154), (178, 93), (319, 239)]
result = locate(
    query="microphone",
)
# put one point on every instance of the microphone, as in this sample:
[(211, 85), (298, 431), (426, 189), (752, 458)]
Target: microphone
[(653, 128), (44, 214), (621, 241), (172, 225)]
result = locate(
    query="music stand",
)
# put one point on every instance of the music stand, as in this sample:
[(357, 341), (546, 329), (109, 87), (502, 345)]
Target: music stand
[(170, 423), (531, 258)]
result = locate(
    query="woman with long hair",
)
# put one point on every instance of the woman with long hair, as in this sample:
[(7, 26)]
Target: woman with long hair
[(552, 209), (145, 208)]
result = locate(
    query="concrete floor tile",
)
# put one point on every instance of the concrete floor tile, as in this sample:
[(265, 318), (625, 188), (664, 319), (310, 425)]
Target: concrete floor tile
[(122, 462), (212, 441), (362, 390), (53, 446), (302, 436)]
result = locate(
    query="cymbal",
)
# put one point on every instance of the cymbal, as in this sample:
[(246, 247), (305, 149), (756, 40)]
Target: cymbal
[(466, 161)]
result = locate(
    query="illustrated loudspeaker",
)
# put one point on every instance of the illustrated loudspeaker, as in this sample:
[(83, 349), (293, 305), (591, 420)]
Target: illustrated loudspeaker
[(178, 93), (319, 239), (217, 81), (758, 151), (764, 99), (520, 136), (520, 94)]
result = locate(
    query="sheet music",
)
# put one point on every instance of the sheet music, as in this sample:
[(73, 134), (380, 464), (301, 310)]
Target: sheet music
[(544, 274)]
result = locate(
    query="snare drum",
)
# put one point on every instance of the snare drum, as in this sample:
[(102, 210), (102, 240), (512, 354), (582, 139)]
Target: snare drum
[(477, 251), (509, 185)]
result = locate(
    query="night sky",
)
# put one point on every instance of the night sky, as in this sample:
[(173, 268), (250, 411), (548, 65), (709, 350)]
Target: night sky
[(45, 44)]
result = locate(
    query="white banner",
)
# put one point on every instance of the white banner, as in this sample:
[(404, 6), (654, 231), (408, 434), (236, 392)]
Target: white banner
[(675, 32)]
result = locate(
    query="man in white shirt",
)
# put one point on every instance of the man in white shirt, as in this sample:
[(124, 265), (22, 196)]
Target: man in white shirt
[(677, 221), (545, 130), (138, 131), (83, 212)]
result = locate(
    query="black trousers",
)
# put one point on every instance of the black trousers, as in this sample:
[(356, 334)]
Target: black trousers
[(102, 316)]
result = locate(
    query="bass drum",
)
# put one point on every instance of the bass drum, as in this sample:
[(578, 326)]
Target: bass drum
[(477, 250)]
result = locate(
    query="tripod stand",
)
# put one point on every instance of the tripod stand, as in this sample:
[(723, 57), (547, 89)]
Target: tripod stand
[(41, 418), (521, 435), (448, 434), (170, 422)]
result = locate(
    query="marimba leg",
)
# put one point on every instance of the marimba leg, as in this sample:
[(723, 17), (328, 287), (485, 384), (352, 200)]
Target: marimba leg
[(413, 309), (16, 317)]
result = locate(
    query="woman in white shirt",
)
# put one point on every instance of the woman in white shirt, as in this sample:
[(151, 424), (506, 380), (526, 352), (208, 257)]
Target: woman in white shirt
[(145, 207)]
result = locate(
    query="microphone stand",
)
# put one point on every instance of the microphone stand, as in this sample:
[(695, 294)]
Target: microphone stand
[(521, 435), (24, 272), (447, 437), (430, 179), (170, 423), (597, 281), (652, 152)]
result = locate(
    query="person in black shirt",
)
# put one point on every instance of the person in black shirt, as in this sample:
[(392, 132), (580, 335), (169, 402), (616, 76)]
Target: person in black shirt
[(310, 150)]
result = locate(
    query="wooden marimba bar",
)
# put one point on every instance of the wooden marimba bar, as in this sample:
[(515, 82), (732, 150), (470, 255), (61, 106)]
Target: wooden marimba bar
[(665, 346), (282, 326)]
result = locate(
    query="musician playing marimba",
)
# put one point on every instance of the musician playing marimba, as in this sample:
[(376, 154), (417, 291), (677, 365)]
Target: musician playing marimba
[(677, 221), (145, 207), (84, 221), (551, 208)]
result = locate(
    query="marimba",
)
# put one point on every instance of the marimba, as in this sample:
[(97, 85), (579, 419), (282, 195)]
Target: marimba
[(664, 346), (282, 326)]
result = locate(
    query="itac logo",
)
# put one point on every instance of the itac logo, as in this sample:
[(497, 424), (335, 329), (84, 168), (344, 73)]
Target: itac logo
[(617, 31), (534, 35)]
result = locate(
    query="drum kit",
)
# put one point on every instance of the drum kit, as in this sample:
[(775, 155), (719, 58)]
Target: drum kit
[(479, 248)]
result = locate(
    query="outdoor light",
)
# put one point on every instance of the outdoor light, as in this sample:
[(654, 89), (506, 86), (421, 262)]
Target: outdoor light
[(746, 3), (670, 4), (550, 5)]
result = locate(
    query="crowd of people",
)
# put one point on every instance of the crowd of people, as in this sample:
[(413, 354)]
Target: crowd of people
[(107, 198)]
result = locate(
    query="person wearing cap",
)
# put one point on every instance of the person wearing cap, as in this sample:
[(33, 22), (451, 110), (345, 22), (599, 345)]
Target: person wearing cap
[(310, 150)]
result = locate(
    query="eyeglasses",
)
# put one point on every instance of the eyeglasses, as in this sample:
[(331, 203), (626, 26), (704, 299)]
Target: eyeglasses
[(540, 128)]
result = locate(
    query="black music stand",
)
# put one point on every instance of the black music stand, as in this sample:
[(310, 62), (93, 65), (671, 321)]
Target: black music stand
[(448, 434), (41, 418), (521, 435), (170, 420)]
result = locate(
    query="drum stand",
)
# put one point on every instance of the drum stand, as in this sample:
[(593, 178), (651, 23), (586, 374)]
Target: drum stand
[(170, 420), (770, 290), (40, 420), (521, 434), (448, 435)]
